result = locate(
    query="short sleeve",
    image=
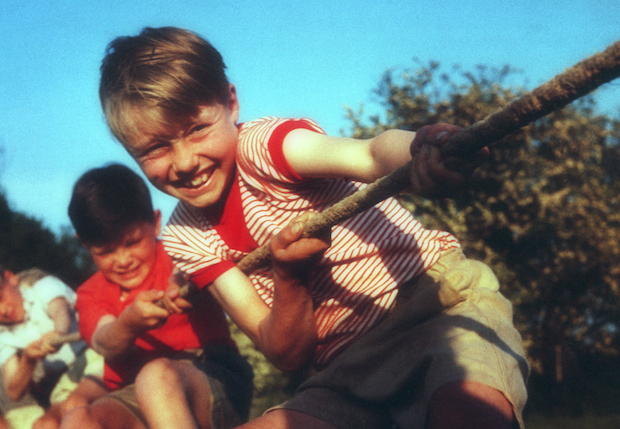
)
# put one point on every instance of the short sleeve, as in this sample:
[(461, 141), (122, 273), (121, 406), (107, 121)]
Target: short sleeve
[(260, 154), (91, 305), (49, 288)]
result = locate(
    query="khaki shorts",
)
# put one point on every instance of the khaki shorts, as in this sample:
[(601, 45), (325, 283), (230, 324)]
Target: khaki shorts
[(230, 379), (449, 324)]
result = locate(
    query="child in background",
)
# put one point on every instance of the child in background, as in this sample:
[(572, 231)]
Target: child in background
[(404, 329), (75, 389), (166, 367), (34, 309)]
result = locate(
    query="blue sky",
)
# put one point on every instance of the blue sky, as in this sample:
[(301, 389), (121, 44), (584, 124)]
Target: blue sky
[(287, 58)]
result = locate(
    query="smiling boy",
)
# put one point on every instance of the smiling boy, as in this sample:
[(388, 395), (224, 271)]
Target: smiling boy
[(166, 367), (405, 330)]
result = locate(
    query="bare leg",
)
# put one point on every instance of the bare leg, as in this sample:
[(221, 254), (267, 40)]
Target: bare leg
[(105, 413), (184, 390), (86, 392), (286, 419), (469, 405), (3, 423)]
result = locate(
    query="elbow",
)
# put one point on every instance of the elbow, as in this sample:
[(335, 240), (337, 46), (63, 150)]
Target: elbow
[(14, 393), (108, 353), (294, 357), (289, 363), (111, 355), (389, 151)]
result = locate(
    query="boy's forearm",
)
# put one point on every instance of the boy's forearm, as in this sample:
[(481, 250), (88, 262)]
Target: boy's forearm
[(314, 155), (18, 375), (60, 313), (113, 339), (288, 334), (290, 319)]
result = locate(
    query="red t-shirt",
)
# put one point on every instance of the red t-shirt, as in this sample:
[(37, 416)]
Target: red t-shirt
[(205, 324), (354, 285)]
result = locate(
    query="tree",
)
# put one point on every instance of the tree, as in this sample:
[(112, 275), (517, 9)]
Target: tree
[(543, 212), (26, 243)]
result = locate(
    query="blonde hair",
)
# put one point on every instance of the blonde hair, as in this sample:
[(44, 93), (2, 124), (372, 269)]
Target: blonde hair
[(163, 75)]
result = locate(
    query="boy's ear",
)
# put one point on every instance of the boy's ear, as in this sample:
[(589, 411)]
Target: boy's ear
[(11, 278), (81, 242), (157, 222), (233, 103)]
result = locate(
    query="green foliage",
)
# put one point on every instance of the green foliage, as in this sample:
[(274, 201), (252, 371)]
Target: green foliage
[(543, 212), (271, 386), (26, 243)]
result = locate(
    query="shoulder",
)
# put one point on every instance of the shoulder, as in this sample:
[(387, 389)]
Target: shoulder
[(95, 285), (49, 287), (186, 223), (260, 155), (271, 128)]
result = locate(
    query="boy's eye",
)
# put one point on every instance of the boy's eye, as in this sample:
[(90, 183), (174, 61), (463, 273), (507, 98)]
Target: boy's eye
[(102, 252), (133, 242), (153, 151), (199, 127)]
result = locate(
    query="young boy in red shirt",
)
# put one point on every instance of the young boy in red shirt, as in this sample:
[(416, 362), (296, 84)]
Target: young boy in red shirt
[(165, 367), (405, 330)]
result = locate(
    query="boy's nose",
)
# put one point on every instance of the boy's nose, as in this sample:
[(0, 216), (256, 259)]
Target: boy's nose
[(5, 310), (184, 160), (123, 258)]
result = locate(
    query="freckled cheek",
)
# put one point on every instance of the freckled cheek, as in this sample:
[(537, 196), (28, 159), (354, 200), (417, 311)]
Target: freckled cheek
[(104, 264), (156, 171)]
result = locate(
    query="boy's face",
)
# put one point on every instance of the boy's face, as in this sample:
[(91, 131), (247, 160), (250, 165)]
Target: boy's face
[(11, 302), (129, 260), (195, 163)]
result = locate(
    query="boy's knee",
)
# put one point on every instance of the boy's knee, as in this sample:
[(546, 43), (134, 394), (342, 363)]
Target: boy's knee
[(77, 418), (156, 376), (73, 401), (469, 404), (46, 422)]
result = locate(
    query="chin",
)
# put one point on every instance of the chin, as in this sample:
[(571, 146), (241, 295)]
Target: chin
[(201, 202), (132, 283)]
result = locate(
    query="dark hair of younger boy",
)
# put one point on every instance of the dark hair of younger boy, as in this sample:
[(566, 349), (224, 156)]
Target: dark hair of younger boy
[(106, 201)]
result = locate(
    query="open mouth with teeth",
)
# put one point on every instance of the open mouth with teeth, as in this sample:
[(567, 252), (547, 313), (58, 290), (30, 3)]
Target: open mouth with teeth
[(196, 181), (200, 180)]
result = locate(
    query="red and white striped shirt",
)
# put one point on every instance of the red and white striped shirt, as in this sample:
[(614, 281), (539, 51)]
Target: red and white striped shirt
[(355, 283)]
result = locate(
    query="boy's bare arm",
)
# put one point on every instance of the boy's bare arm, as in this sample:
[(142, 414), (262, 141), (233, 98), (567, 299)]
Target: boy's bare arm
[(18, 370), (60, 312), (114, 337), (312, 154), (285, 333), (17, 373)]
